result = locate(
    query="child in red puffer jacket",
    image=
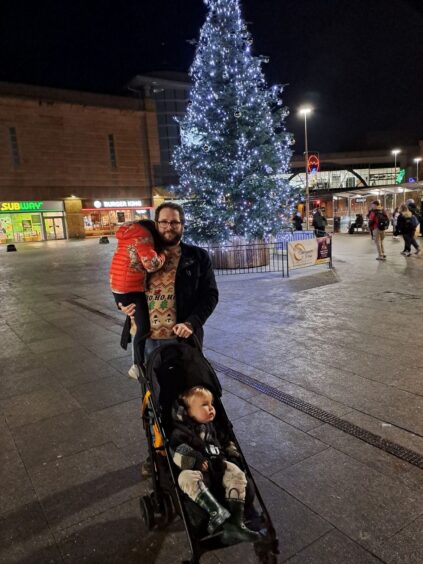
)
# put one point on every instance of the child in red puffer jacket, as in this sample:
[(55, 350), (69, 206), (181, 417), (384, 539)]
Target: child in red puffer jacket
[(138, 252)]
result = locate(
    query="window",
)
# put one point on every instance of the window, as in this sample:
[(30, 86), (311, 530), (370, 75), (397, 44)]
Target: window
[(350, 182), (14, 148), (112, 150)]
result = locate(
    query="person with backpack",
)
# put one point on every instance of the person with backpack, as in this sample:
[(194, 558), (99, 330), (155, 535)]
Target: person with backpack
[(319, 222), (378, 224), (406, 225)]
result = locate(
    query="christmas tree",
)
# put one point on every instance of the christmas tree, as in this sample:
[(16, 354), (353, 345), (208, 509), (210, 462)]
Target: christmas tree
[(234, 147)]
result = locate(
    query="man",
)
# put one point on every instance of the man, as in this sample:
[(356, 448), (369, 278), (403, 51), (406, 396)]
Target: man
[(378, 223), (181, 295), (319, 222)]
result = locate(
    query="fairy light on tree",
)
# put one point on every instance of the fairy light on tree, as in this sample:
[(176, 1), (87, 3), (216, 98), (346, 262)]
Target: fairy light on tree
[(234, 146)]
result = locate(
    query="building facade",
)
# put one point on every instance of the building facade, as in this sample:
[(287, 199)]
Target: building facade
[(73, 164)]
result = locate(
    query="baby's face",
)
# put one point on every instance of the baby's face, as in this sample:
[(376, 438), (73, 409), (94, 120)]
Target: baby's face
[(201, 408)]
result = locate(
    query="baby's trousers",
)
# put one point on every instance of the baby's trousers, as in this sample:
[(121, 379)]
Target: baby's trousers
[(234, 482)]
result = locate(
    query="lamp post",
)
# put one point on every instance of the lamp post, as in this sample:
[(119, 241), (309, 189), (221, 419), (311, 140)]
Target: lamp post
[(395, 152), (304, 112), (417, 160)]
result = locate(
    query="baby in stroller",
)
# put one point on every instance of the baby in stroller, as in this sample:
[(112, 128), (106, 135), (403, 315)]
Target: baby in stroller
[(208, 459)]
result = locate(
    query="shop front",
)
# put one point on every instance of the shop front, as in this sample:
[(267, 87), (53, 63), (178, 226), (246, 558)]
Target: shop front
[(29, 221), (104, 217)]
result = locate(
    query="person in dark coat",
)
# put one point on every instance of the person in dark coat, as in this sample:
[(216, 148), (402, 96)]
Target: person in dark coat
[(319, 222), (406, 225), (297, 221), (201, 453)]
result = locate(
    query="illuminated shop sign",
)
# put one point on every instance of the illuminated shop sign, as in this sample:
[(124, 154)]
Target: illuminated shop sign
[(30, 206), (117, 204), (313, 163)]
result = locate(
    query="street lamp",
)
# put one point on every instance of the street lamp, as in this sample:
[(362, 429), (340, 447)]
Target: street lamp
[(304, 112), (417, 160), (395, 152)]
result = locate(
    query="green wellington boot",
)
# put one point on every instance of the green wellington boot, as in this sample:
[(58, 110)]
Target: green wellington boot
[(234, 529), (217, 514)]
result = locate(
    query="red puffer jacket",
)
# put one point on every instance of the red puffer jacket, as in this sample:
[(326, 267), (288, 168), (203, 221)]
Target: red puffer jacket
[(133, 258)]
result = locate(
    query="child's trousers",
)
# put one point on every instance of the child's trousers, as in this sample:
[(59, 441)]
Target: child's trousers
[(234, 482)]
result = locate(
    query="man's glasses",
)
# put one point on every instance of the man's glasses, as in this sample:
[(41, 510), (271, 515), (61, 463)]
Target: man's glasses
[(164, 223)]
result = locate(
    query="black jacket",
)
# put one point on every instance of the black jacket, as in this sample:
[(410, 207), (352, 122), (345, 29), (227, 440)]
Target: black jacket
[(193, 443), (196, 292)]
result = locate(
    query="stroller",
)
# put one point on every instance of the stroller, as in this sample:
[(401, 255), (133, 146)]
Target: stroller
[(170, 370)]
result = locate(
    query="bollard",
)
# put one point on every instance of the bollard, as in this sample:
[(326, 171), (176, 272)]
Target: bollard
[(11, 248), (104, 240)]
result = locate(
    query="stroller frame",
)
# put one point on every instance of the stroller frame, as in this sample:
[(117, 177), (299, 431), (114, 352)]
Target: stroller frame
[(161, 505)]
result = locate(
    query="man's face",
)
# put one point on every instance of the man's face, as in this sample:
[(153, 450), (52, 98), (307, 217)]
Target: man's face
[(170, 227)]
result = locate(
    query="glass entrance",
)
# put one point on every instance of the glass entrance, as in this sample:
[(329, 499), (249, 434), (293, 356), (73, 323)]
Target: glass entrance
[(54, 228)]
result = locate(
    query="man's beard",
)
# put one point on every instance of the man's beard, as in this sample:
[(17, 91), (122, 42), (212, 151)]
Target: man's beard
[(171, 242)]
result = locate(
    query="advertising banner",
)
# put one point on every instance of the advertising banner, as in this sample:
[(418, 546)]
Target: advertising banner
[(324, 250), (302, 253), (31, 206)]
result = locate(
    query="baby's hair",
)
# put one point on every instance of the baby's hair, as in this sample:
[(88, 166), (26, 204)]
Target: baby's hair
[(186, 396)]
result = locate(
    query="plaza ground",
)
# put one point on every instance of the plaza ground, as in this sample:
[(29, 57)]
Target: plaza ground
[(347, 341)]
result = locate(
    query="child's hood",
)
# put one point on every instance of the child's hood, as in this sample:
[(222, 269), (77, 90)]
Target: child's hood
[(131, 230)]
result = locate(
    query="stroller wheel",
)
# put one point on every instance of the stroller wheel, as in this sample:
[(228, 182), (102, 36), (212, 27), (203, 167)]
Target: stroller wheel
[(147, 511)]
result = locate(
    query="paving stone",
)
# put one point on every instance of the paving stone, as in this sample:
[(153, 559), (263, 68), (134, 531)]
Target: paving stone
[(15, 383), (295, 524), (362, 503), (78, 486), (286, 413), (6, 439), (386, 430), (373, 457), (406, 547), (333, 548), (35, 406), (57, 437), (19, 363), (25, 538), (52, 344), (122, 422), (16, 488), (35, 331), (105, 392), (269, 444), (236, 407)]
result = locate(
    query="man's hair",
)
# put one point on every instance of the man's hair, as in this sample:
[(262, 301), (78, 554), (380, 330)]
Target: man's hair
[(404, 207), (376, 202), (172, 206), (187, 396)]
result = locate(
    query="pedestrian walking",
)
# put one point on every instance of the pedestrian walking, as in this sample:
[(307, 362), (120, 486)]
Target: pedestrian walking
[(407, 224), (395, 216), (319, 222), (378, 223)]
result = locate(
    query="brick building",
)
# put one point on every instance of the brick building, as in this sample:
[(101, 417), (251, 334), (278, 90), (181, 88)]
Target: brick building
[(73, 164)]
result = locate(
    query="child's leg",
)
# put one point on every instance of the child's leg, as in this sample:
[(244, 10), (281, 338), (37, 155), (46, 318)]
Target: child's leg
[(234, 482), (189, 482), (142, 319)]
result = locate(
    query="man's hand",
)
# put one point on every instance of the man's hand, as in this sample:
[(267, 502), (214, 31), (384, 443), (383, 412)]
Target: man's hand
[(205, 466), (183, 330), (128, 310)]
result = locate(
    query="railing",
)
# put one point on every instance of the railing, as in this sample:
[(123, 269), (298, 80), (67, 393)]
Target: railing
[(275, 255)]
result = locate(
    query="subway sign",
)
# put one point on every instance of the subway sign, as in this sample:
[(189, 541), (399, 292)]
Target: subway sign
[(30, 206)]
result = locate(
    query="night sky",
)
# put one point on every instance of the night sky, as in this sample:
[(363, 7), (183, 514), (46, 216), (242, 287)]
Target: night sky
[(358, 62)]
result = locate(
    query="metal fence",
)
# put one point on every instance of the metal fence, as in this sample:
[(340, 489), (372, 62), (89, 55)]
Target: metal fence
[(239, 257)]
